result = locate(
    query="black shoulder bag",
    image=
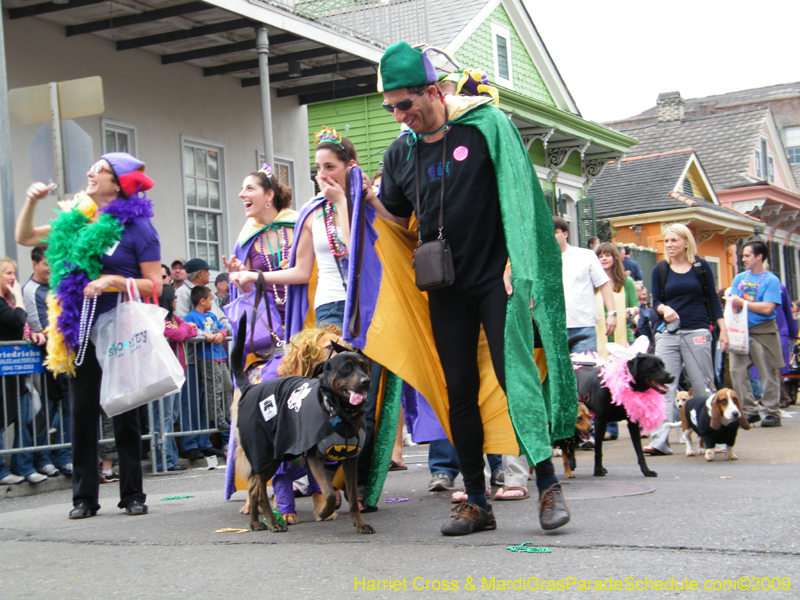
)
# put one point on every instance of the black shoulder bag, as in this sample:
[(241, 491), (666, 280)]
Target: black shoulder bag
[(433, 261)]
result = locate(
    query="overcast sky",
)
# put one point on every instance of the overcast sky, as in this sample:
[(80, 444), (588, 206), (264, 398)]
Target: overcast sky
[(617, 56)]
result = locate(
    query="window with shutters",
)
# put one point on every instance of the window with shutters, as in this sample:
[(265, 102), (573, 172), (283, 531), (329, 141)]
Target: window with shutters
[(203, 192), (587, 223), (501, 43)]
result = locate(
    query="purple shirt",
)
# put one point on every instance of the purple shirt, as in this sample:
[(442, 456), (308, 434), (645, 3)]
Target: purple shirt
[(139, 243)]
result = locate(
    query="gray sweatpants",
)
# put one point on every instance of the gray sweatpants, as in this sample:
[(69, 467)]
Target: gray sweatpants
[(691, 350)]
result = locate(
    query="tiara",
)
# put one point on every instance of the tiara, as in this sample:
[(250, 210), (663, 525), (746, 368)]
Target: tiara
[(266, 168), (327, 135)]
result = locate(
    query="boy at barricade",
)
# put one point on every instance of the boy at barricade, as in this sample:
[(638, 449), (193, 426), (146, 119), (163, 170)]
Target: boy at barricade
[(213, 369)]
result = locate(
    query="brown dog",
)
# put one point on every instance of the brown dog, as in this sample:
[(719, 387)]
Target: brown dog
[(716, 420), (583, 426), (303, 353), (287, 417)]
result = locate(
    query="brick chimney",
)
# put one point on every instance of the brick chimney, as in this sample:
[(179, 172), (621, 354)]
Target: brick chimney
[(670, 107)]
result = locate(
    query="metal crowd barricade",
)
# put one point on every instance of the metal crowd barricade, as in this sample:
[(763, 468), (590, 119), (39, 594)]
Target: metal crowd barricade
[(43, 408), (199, 411)]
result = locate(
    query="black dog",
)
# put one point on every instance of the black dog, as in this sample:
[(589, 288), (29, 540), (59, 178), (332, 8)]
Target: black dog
[(648, 372), (320, 419)]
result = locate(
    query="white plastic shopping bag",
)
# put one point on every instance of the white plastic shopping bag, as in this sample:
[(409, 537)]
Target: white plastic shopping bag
[(738, 334), (138, 364)]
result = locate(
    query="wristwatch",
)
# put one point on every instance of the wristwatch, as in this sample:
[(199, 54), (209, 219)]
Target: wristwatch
[(613, 313)]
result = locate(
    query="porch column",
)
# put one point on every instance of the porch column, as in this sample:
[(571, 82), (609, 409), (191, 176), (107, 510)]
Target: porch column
[(262, 47), (6, 183)]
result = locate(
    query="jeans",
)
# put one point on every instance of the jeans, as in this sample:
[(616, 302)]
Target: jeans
[(587, 345), (169, 404), (193, 412), (27, 463), (442, 459), (332, 312), (57, 389)]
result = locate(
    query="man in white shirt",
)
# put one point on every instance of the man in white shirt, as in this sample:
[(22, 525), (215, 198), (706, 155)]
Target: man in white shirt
[(583, 275)]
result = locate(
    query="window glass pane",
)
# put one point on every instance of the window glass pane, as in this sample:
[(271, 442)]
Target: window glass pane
[(213, 194), (202, 252), (212, 228), (191, 192), (190, 219), (202, 193), (200, 162), (111, 141), (213, 170), (213, 255), (192, 250), (188, 161), (200, 223), (122, 142)]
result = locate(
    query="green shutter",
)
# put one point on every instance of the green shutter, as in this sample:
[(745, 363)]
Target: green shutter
[(587, 224), (550, 198), (502, 57)]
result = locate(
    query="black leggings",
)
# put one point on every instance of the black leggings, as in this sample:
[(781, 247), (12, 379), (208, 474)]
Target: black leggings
[(456, 321), (84, 400)]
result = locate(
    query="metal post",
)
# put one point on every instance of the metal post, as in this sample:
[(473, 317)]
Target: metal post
[(262, 47), (6, 179), (58, 150)]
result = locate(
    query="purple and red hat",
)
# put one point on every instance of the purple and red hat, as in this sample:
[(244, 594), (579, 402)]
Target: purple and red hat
[(129, 171)]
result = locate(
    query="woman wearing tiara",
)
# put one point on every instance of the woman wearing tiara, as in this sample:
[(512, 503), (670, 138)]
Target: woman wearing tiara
[(323, 236), (266, 238)]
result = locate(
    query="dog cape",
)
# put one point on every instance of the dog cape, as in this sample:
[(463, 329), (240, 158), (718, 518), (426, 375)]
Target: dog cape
[(394, 319), (288, 420)]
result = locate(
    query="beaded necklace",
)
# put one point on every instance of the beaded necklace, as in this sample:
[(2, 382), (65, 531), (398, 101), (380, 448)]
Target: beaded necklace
[(743, 284), (87, 319), (338, 248), (280, 258)]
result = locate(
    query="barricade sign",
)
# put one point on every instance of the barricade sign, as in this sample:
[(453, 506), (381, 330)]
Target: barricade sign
[(21, 360)]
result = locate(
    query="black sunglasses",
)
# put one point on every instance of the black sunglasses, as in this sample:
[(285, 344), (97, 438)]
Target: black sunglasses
[(403, 105)]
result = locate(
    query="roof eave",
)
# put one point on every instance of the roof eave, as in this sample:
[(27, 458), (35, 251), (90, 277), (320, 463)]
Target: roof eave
[(564, 122)]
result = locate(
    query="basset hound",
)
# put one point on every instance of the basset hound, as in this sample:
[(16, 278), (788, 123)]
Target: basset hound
[(716, 420)]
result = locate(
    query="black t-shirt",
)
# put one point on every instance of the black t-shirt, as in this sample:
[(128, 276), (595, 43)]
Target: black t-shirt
[(472, 221)]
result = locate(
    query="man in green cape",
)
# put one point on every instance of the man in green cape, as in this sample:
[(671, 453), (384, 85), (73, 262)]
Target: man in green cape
[(465, 164)]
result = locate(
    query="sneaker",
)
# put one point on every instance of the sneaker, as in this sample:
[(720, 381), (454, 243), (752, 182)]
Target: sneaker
[(177, 467), (588, 444), (212, 452), (440, 482), (66, 469), (136, 508), (223, 425), (82, 511), (754, 418), (469, 518), (498, 478), (553, 511), (11, 479), (49, 470), (108, 476), (771, 421), (36, 478)]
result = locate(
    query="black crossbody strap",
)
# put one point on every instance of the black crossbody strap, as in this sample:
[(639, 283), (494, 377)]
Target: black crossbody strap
[(441, 195), (700, 271)]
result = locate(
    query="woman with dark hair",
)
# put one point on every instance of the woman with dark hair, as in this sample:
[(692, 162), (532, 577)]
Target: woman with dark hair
[(266, 238), (625, 299), (176, 331), (102, 238), (324, 234)]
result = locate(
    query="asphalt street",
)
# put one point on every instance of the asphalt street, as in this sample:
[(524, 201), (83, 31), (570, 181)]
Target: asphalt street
[(723, 525)]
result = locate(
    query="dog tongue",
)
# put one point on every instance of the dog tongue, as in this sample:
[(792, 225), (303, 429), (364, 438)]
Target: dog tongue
[(356, 399)]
